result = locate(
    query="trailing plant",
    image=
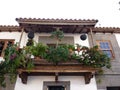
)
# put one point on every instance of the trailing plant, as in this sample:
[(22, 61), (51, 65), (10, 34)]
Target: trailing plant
[(14, 58), (12, 61)]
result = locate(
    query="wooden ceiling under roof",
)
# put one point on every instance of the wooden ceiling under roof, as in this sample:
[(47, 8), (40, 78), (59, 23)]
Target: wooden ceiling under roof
[(49, 25)]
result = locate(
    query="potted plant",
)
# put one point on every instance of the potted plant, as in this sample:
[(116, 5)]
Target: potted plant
[(39, 50), (71, 49), (78, 47), (58, 54)]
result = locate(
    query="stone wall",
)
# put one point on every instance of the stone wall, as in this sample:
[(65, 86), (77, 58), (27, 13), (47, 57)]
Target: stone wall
[(110, 77)]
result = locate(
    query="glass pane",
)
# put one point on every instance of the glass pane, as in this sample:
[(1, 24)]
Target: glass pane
[(108, 53), (55, 88), (104, 45)]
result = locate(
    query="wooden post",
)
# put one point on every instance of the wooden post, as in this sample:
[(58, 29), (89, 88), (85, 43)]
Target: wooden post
[(23, 77), (88, 76), (91, 34), (21, 37), (56, 76)]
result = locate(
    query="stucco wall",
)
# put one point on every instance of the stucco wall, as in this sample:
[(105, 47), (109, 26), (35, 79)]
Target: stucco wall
[(36, 83), (118, 38), (14, 35)]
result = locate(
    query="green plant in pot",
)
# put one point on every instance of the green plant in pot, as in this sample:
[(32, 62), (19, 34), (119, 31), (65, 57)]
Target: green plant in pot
[(71, 49), (78, 47), (38, 50), (58, 54)]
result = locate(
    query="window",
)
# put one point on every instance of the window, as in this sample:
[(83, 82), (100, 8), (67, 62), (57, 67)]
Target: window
[(106, 47), (3, 44), (113, 88)]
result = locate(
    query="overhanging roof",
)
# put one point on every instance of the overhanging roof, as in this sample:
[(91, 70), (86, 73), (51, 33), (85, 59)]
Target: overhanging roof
[(49, 25), (9, 28), (106, 30), (55, 21)]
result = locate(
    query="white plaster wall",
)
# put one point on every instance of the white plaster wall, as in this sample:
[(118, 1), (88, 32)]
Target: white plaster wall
[(118, 38), (36, 83), (14, 35), (76, 38)]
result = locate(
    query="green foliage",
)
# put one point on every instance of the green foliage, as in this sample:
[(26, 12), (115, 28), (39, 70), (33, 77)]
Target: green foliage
[(58, 35), (12, 62), (72, 47), (21, 58), (14, 59), (38, 50), (94, 57), (58, 54)]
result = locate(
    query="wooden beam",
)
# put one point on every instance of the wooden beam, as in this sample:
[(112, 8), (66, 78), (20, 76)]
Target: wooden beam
[(88, 76), (23, 77), (21, 37), (61, 68), (56, 77)]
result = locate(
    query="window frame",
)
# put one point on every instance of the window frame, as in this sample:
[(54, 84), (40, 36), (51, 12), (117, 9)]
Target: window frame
[(65, 84), (110, 47), (113, 87), (5, 45)]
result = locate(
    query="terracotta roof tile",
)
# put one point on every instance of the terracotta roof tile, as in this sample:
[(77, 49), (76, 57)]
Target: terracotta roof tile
[(10, 28), (55, 20), (107, 29)]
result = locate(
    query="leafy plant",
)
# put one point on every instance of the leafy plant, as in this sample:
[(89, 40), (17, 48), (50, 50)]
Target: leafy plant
[(12, 61), (58, 54), (58, 35), (94, 57), (14, 58), (39, 50)]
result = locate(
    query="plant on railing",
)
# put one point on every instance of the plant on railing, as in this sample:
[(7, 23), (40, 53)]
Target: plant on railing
[(37, 50), (58, 54), (93, 57)]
